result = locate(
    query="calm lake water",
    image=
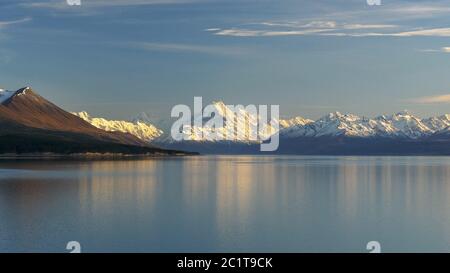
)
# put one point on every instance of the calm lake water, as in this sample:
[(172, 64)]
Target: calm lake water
[(227, 204)]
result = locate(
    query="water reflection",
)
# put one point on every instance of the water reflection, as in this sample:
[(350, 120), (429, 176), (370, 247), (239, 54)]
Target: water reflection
[(256, 204)]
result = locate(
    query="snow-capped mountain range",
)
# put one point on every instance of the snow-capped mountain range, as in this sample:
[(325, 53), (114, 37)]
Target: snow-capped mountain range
[(400, 125), (26, 115), (142, 130), (143, 126), (30, 123)]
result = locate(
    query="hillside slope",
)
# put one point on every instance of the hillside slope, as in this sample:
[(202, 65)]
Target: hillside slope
[(31, 124)]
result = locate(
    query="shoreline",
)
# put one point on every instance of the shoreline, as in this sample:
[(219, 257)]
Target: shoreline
[(94, 155)]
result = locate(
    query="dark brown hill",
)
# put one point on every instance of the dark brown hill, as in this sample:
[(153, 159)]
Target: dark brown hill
[(31, 124)]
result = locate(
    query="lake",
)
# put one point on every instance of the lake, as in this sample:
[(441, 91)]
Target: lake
[(226, 204)]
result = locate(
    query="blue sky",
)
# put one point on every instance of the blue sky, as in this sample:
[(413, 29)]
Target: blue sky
[(116, 58)]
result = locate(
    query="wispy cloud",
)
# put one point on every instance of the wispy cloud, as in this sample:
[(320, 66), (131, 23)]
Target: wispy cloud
[(19, 21), (333, 29), (441, 50), (400, 19), (325, 25), (266, 33), (191, 48), (432, 99), (396, 11), (61, 4), (433, 32), (436, 32), (297, 29)]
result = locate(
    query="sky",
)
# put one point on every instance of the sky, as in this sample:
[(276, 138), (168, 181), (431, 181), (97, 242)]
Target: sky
[(117, 58)]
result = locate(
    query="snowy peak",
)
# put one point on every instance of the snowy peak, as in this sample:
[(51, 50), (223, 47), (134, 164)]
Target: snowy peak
[(297, 121), (409, 125), (333, 124), (219, 105), (234, 120), (240, 124), (23, 91), (142, 130), (229, 114), (84, 115), (26, 92), (403, 124), (339, 116), (342, 124), (438, 123)]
